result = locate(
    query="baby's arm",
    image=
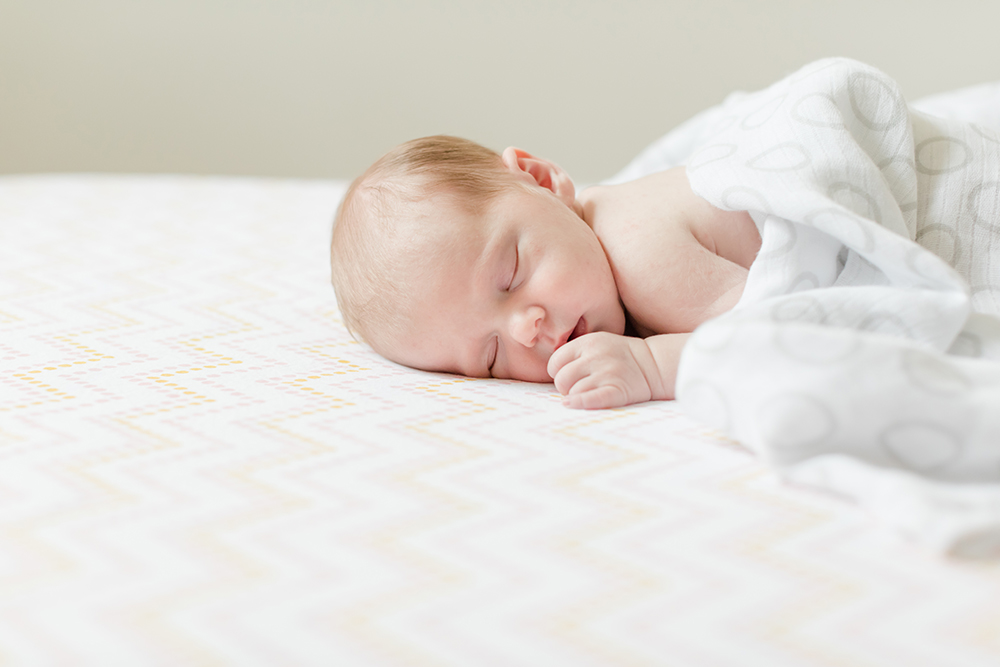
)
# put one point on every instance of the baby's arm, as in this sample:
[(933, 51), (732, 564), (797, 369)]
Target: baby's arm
[(605, 370)]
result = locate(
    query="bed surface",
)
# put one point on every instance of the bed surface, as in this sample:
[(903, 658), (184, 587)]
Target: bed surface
[(200, 466)]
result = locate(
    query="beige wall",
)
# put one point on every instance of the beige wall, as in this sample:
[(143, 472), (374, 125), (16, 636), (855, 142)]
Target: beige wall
[(319, 88)]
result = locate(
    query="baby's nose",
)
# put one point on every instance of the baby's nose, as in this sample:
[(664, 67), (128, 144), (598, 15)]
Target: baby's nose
[(526, 325)]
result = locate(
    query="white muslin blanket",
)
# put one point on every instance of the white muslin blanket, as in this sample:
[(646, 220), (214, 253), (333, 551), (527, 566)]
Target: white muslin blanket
[(864, 355)]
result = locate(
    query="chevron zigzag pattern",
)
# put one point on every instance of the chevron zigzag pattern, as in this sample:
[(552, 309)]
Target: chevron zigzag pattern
[(200, 466)]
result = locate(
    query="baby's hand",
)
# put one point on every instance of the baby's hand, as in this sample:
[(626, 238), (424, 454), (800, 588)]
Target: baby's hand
[(605, 370)]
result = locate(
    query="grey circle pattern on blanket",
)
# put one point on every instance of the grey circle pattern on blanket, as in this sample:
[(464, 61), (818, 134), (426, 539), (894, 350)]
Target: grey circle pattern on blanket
[(921, 446), (724, 123), (899, 172), (942, 155), (854, 198), (706, 401), (834, 349), (984, 202), (743, 198), (967, 344), (899, 162), (941, 240), (851, 230), (985, 133), (787, 156), (933, 375), (832, 157), (889, 324), (874, 102), (761, 115), (786, 235), (710, 154), (928, 267), (795, 420), (714, 336), (804, 281), (985, 299), (799, 308), (817, 110)]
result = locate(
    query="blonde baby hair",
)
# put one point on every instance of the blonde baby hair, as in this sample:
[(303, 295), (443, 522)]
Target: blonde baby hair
[(372, 231)]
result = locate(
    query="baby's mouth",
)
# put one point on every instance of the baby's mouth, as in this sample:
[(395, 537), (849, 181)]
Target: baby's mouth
[(578, 330)]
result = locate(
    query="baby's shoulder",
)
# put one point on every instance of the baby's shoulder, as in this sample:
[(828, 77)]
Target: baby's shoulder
[(672, 253), (634, 216), (644, 223)]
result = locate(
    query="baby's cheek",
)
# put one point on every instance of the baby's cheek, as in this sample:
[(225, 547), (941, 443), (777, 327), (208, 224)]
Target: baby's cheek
[(530, 368)]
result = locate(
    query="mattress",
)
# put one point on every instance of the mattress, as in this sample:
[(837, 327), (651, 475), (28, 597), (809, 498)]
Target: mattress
[(200, 466)]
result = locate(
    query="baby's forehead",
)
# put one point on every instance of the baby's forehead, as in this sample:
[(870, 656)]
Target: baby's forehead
[(443, 219), (425, 234)]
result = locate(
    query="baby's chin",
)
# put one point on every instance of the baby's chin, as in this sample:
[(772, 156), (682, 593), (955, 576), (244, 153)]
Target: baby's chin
[(531, 374), (620, 327)]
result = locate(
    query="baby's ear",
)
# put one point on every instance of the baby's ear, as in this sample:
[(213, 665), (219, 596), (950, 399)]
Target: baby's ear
[(541, 172)]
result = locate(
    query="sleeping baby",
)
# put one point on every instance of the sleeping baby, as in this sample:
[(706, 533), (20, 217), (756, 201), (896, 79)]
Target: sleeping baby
[(827, 259), (448, 256)]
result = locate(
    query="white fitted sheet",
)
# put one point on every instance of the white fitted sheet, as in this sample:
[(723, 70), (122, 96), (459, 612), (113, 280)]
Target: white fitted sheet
[(198, 465)]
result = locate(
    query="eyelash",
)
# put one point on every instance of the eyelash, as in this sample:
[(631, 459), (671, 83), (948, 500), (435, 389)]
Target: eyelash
[(513, 275), (496, 352), (510, 285)]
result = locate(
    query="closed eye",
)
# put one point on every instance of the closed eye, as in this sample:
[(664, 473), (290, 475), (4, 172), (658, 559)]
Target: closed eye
[(493, 355), (513, 274)]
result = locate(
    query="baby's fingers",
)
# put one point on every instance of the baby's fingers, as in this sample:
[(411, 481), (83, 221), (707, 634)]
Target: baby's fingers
[(569, 375), (564, 355), (605, 396)]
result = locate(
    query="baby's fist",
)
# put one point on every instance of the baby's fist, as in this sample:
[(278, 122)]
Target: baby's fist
[(604, 370)]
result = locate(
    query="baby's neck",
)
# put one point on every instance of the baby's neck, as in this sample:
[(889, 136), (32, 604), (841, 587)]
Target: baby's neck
[(667, 197), (676, 259)]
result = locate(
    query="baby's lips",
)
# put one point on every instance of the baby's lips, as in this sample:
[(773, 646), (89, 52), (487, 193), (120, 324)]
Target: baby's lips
[(567, 337), (579, 330)]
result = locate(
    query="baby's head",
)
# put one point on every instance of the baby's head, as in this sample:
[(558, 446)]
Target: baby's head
[(448, 256)]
